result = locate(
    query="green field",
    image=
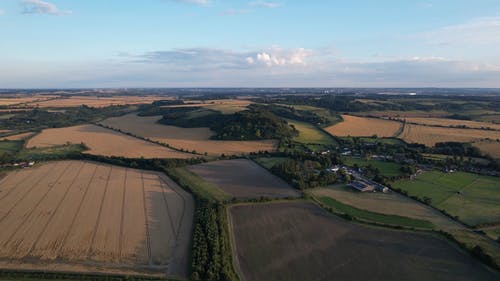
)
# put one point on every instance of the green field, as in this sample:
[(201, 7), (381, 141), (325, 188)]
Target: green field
[(323, 112), (474, 199), (309, 134), (269, 162), (54, 152), (199, 186), (10, 147), (387, 169), (372, 216)]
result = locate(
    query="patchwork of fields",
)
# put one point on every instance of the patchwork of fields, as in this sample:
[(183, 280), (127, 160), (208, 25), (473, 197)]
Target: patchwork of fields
[(102, 141), (364, 127), (88, 217), (197, 139), (300, 241), (474, 199), (242, 178), (452, 123), (93, 101)]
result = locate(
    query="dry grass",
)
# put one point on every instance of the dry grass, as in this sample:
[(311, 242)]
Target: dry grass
[(186, 138), (95, 101), (94, 218), (389, 204), (101, 141), (300, 241), (405, 114), (238, 178), (364, 127), (431, 135), (17, 137), (452, 123), (226, 106), (491, 148)]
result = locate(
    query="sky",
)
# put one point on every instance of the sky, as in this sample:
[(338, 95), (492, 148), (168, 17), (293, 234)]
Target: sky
[(254, 43)]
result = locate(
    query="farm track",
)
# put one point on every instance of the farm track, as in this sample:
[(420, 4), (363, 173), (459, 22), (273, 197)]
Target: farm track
[(83, 216)]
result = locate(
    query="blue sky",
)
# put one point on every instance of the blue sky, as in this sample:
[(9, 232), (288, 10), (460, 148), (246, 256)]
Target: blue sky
[(233, 43)]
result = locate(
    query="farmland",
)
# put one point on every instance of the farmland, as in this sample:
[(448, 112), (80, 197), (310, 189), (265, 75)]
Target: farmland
[(88, 217), (491, 148), (474, 199), (386, 203), (310, 134), (386, 168), (242, 178), (452, 123), (190, 139), (17, 137), (364, 127), (300, 241), (431, 135), (101, 141), (92, 101), (226, 106)]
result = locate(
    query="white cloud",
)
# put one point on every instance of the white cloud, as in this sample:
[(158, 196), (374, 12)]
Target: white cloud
[(266, 4), (279, 57), (480, 31), (235, 12), (41, 7), (196, 2)]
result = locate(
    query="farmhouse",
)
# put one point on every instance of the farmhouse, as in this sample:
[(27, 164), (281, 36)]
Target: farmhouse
[(368, 186)]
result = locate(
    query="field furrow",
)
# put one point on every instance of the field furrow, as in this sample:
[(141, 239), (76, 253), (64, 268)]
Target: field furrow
[(106, 243), (79, 239)]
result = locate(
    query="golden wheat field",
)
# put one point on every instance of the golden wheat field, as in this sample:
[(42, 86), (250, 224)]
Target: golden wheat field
[(197, 139), (431, 135), (91, 217), (102, 141), (363, 127), (17, 100), (94, 101), (452, 123), (491, 148)]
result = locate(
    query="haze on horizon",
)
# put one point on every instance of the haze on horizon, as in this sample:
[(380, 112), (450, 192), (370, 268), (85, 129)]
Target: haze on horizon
[(255, 43)]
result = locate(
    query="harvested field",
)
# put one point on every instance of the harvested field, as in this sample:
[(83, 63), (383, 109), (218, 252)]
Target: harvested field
[(226, 106), (189, 139), (387, 203), (364, 127), (94, 101), (88, 217), (17, 137), (491, 148), (22, 100), (300, 241), (431, 135), (102, 141), (243, 178), (452, 123), (405, 114)]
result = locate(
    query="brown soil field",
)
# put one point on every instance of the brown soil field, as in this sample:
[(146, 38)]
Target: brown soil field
[(186, 138), (226, 106), (95, 101), (243, 178), (301, 241), (364, 127), (489, 147), (17, 137), (102, 141), (431, 135), (88, 217), (387, 203), (452, 123)]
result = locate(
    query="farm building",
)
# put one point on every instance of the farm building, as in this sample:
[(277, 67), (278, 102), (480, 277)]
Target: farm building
[(368, 186)]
